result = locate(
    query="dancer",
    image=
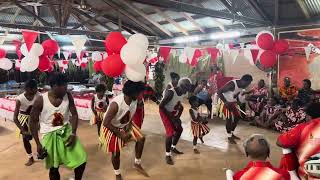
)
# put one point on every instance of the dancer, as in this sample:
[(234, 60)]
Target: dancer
[(99, 105), (301, 148), (60, 143), (118, 128), (229, 108), (198, 126), (21, 115), (174, 80), (170, 111)]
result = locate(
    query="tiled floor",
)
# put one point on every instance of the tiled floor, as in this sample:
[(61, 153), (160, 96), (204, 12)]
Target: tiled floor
[(215, 155)]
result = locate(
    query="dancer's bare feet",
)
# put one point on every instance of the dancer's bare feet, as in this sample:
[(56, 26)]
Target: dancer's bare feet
[(140, 169), (196, 151), (29, 162), (169, 160), (231, 140), (119, 177)]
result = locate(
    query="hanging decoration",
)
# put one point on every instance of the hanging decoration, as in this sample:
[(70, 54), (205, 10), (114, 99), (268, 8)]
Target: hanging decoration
[(97, 56), (136, 73), (197, 54), (29, 38), (234, 53), (44, 63), (97, 66), (113, 66), (66, 55), (307, 50), (30, 62), (114, 42), (2, 39), (50, 47), (17, 43), (5, 64), (268, 59), (78, 43), (213, 53), (281, 46), (17, 64), (265, 40), (164, 53)]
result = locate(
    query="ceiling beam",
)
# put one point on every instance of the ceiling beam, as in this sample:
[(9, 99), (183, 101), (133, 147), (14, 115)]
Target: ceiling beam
[(303, 8), (219, 24), (32, 14), (90, 20), (66, 10), (145, 16), (184, 7), (54, 13), (230, 9), (57, 30), (125, 13), (193, 22), (254, 5), (78, 11), (170, 20), (276, 12), (35, 9)]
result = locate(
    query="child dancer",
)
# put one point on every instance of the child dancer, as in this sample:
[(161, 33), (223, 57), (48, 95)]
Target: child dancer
[(99, 105), (198, 127), (21, 117)]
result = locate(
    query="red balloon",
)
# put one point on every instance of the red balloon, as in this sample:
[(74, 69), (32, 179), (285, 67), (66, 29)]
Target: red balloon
[(97, 66), (265, 41), (44, 63), (83, 65), (3, 53), (113, 66), (50, 47), (268, 59), (281, 46), (114, 42)]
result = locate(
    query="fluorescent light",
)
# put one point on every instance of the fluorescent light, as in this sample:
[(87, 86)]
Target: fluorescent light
[(225, 35), (8, 47), (70, 48), (186, 39)]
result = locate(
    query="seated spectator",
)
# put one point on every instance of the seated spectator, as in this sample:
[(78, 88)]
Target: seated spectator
[(269, 114), (301, 148), (288, 92), (257, 97), (257, 149), (293, 116), (306, 94), (202, 93), (215, 76)]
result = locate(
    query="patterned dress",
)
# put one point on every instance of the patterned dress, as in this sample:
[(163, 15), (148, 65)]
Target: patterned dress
[(287, 93), (257, 106), (290, 119)]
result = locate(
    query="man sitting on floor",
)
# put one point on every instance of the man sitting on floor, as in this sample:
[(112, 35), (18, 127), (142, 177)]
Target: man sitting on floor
[(257, 149)]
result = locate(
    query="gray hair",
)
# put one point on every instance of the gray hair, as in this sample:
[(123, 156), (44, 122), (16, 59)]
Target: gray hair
[(262, 150)]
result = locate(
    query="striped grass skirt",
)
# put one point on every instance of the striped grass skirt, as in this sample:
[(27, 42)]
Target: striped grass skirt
[(224, 113), (199, 129), (94, 120), (111, 143), (24, 122)]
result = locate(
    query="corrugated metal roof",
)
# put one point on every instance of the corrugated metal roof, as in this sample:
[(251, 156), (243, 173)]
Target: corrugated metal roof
[(313, 6)]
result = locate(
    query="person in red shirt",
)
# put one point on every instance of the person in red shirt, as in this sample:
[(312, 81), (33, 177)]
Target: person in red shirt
[(257, 149), (301, 147)]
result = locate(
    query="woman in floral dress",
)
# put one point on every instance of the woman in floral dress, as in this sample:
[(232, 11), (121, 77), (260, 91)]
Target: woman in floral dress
[(258, 97)]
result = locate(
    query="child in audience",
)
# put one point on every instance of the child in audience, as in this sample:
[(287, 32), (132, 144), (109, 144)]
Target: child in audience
[(293, 116), (99, 105), (269, 114), (21, 116), (198, 125)]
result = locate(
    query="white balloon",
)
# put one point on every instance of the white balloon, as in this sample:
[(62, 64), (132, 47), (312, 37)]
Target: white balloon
[(97, 56), (132, 54), (136, 72), (104, 55), (139, 39), (24, 49), (183, 58), (29, 63), (5, 64), (36, 49)]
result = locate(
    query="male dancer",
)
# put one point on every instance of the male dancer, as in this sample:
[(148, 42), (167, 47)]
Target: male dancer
[(229, 108), (118, 128), (21, 115), (174, 80), (59, 128), (170, 111)]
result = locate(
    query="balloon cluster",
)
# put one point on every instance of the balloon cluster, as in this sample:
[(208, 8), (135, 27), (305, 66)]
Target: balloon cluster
[(265, 40), (5, 63), (50, 48), (125, 56), (30, 62), (98, 57)]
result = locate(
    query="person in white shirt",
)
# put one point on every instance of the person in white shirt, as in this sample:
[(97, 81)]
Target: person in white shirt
[(57, 115), (118, 128), (21, 115)]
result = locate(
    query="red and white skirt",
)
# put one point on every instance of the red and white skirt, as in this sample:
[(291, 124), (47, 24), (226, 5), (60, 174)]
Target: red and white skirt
[(94, 119), (112, 143), (224, 113), (199, 129), (138, 117)]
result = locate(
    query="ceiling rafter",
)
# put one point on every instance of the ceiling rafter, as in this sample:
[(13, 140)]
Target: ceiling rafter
[(66, 10), (170, 20), (219, 24), (94, 18), (32, 14), (254, 5), (193, 22), (303, 8), (145, 16), (125, 13)]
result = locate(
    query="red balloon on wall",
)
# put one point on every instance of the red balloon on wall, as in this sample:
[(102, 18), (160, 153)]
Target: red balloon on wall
[(113, 66), (265, 41), (268, 59), (50, 47), (114, 42), (44, 63), (281, 46), (97, 66)]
